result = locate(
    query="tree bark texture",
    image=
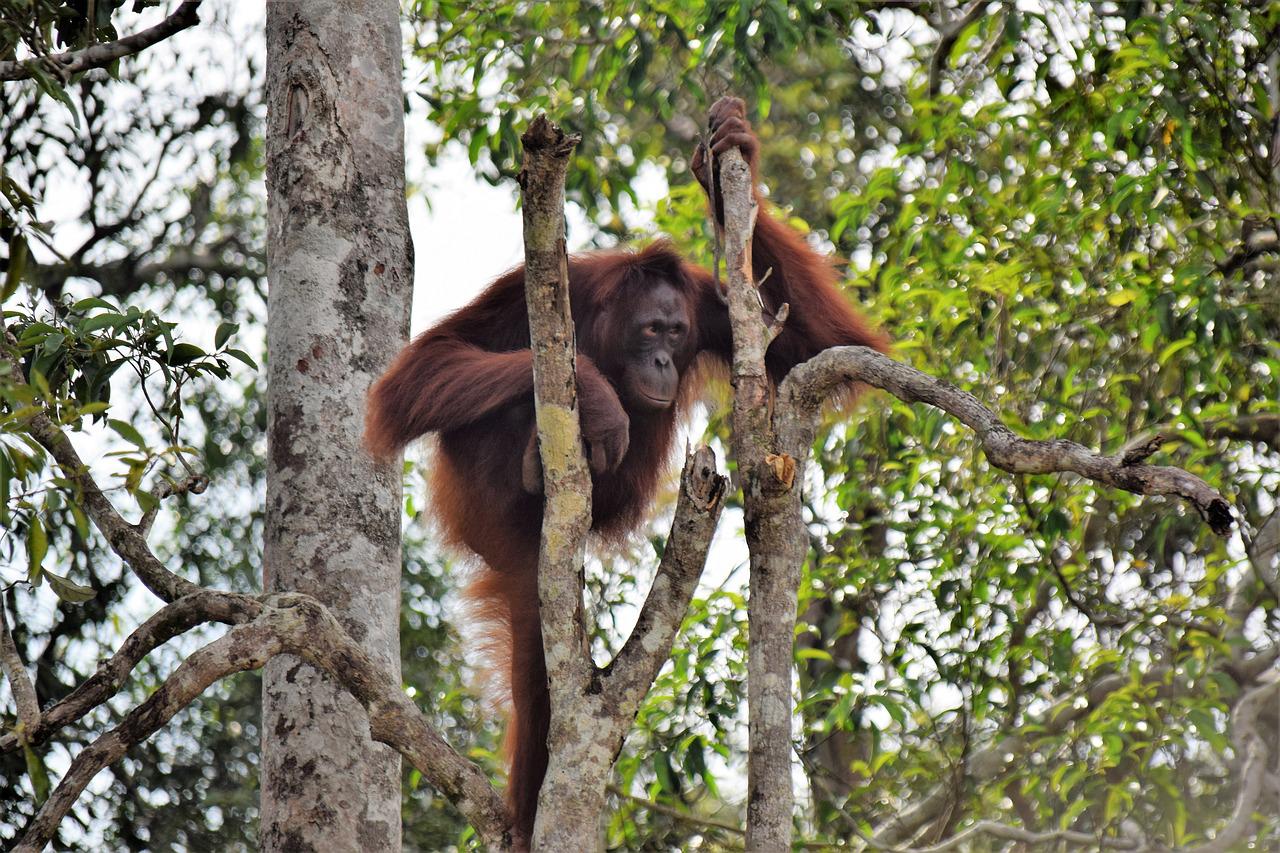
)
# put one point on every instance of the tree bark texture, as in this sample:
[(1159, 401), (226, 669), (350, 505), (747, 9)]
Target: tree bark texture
[(567, 817), (773, 527), (591, 708), (339, 263)]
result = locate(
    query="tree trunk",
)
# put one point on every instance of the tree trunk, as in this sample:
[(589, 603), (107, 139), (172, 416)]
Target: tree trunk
[(340, 273), (771, 515)]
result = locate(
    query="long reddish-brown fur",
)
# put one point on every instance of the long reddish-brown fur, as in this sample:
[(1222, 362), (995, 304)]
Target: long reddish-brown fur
[(469, 379)]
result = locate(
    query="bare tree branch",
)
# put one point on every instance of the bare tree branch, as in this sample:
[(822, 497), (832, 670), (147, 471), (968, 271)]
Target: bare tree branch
[(1248, 743), (947, 36), (243, 647), (283, 623), (24, 692), (592, 708), (961, 840), (570, 789), (677, 814), (125, 275), (310, 631), (566, 516), (774, 529), (291, 623), (809, 384), (171, 621), (702, 493), (1264, 428), (98, 55)]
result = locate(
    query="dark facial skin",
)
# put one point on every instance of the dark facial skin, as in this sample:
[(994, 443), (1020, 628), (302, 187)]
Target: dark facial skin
[(657, 341)]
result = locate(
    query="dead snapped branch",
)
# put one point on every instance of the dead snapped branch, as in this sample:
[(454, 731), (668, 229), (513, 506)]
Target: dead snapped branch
[(96, 56), (810, 384), (774, 526), (566, 479)]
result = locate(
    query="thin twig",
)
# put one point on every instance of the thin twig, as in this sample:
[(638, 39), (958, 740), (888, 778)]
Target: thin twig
[(962, 840), (195, 484), (779, 321), (677, 814)]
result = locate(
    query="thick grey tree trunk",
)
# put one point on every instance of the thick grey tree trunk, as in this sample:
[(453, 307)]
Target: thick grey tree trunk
[(339, 263)]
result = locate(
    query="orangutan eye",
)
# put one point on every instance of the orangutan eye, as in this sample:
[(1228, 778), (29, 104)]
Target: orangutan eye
[(651, 330)]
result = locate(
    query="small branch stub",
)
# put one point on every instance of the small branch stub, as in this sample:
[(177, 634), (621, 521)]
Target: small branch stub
[(545, 139), (1142, 450)]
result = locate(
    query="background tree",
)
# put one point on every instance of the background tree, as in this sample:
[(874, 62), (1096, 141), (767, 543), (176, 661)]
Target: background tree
[(340, 265)]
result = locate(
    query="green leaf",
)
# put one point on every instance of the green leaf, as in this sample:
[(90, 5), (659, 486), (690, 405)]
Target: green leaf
[(102, 321), (1118, 802), (36, 773), (53, 88), (93, 302), (17, 265), (68, 590), (1174, 348), (37, 547), (662, 769), (241, 355), (184, 353), (6, 476), (1056, 524), (224, 333), (128, 432), (146, 500), (578, 65)]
